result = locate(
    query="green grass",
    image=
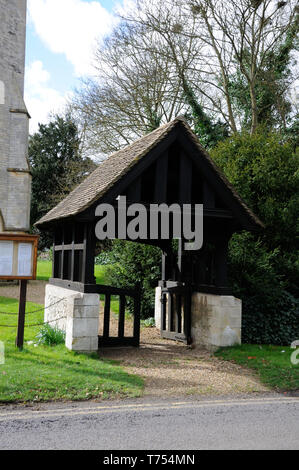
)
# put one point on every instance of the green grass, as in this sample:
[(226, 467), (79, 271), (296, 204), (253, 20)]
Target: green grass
[(44, 272), (46, 373), (270, 362)]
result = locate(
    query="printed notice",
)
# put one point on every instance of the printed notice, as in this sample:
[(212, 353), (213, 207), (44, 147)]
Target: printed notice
[(25, 259), (6, 258)]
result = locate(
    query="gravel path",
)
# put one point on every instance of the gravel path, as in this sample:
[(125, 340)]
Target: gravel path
[(172, 369), (169, 368)]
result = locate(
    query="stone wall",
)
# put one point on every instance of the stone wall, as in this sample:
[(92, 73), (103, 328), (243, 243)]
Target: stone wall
[(215, 319), (75, 313), (15, 178)]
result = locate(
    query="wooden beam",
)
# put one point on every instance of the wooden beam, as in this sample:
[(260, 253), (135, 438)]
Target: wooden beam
[(107, 316), (178, 313), (72, 276), (208, 196), (185, 185), (137, 308), (69, 247), (170, 312), (160, 194), (88, 254), (134, 191), (62, 255)]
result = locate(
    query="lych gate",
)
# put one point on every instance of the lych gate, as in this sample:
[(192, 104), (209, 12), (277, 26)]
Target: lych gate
[(193, 300)]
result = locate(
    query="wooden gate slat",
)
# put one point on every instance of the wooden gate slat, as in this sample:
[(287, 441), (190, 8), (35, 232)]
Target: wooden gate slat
[(173, 330), (107, 316), (178, 313)]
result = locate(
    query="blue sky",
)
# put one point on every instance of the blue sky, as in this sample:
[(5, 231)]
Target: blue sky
[(61, 38)]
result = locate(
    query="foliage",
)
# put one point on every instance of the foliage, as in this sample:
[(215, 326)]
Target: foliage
[(264, 170), (102, 259), (272, 363), (270, 313), (264, 267), (136, 265), (209, 133), (50, 336), (148, 322), (272, 82), (57, 166)]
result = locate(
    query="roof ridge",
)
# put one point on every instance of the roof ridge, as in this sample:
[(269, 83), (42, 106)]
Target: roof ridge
[(119, 163)]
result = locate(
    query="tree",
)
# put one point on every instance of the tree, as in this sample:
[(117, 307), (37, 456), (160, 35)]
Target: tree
[(57, 165), (233, 38), (208, 132), (264, 268), (274, 79), (134, 90)]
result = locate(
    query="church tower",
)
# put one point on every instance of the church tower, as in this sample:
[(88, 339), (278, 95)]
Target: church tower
[(15, 177)]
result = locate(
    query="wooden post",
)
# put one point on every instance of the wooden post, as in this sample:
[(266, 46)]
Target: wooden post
[(21, 319), (137, 308), (88, 254)]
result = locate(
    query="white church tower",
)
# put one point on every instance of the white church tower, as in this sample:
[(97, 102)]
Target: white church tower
[(15, 178)]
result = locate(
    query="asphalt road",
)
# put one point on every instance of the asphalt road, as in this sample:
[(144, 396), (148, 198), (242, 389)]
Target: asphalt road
[(260, 423)]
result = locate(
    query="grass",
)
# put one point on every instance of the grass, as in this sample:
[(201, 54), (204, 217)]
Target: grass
[(272, 363), (44, 373), (44, 272)]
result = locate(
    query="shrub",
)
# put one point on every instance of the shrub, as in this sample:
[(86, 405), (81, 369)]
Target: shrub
[(148, 323), (264, 267), (135, 264), (50, 336), (103, 259)]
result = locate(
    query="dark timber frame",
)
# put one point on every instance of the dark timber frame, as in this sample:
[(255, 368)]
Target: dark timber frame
[(175, 169)]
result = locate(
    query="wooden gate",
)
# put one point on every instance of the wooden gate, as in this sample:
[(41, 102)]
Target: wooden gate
[(108, 293), (176, 312)]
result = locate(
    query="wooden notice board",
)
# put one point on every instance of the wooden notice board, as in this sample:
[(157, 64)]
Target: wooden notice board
[(18, 256)]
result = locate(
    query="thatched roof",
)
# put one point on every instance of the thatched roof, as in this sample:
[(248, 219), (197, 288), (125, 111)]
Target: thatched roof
[(93, 188)]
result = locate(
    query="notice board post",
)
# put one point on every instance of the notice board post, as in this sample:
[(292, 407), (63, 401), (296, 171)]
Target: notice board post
[(18, 261)]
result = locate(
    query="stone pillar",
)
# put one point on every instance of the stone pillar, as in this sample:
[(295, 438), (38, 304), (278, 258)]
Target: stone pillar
[(158, 308), (75, 313), (216, 320)]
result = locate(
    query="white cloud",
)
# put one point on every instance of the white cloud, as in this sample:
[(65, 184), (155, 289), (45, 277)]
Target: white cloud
[(71, 27), (40, 99)]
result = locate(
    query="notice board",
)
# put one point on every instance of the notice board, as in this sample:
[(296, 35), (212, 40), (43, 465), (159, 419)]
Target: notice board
[(18, 256)]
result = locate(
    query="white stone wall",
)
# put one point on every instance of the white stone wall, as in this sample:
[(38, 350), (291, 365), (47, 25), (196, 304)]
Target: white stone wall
[(77, 314), (158, 308), (215, 319)]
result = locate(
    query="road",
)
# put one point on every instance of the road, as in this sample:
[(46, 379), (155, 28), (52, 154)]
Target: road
[(269, 422)]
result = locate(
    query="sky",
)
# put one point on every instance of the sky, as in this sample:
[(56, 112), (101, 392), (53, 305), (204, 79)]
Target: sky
[(60, 43)]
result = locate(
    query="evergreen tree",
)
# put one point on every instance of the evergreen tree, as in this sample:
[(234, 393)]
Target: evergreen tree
[(57, 166)]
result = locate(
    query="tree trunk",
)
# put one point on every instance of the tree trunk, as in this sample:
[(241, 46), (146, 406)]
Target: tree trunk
[(254, 118)]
